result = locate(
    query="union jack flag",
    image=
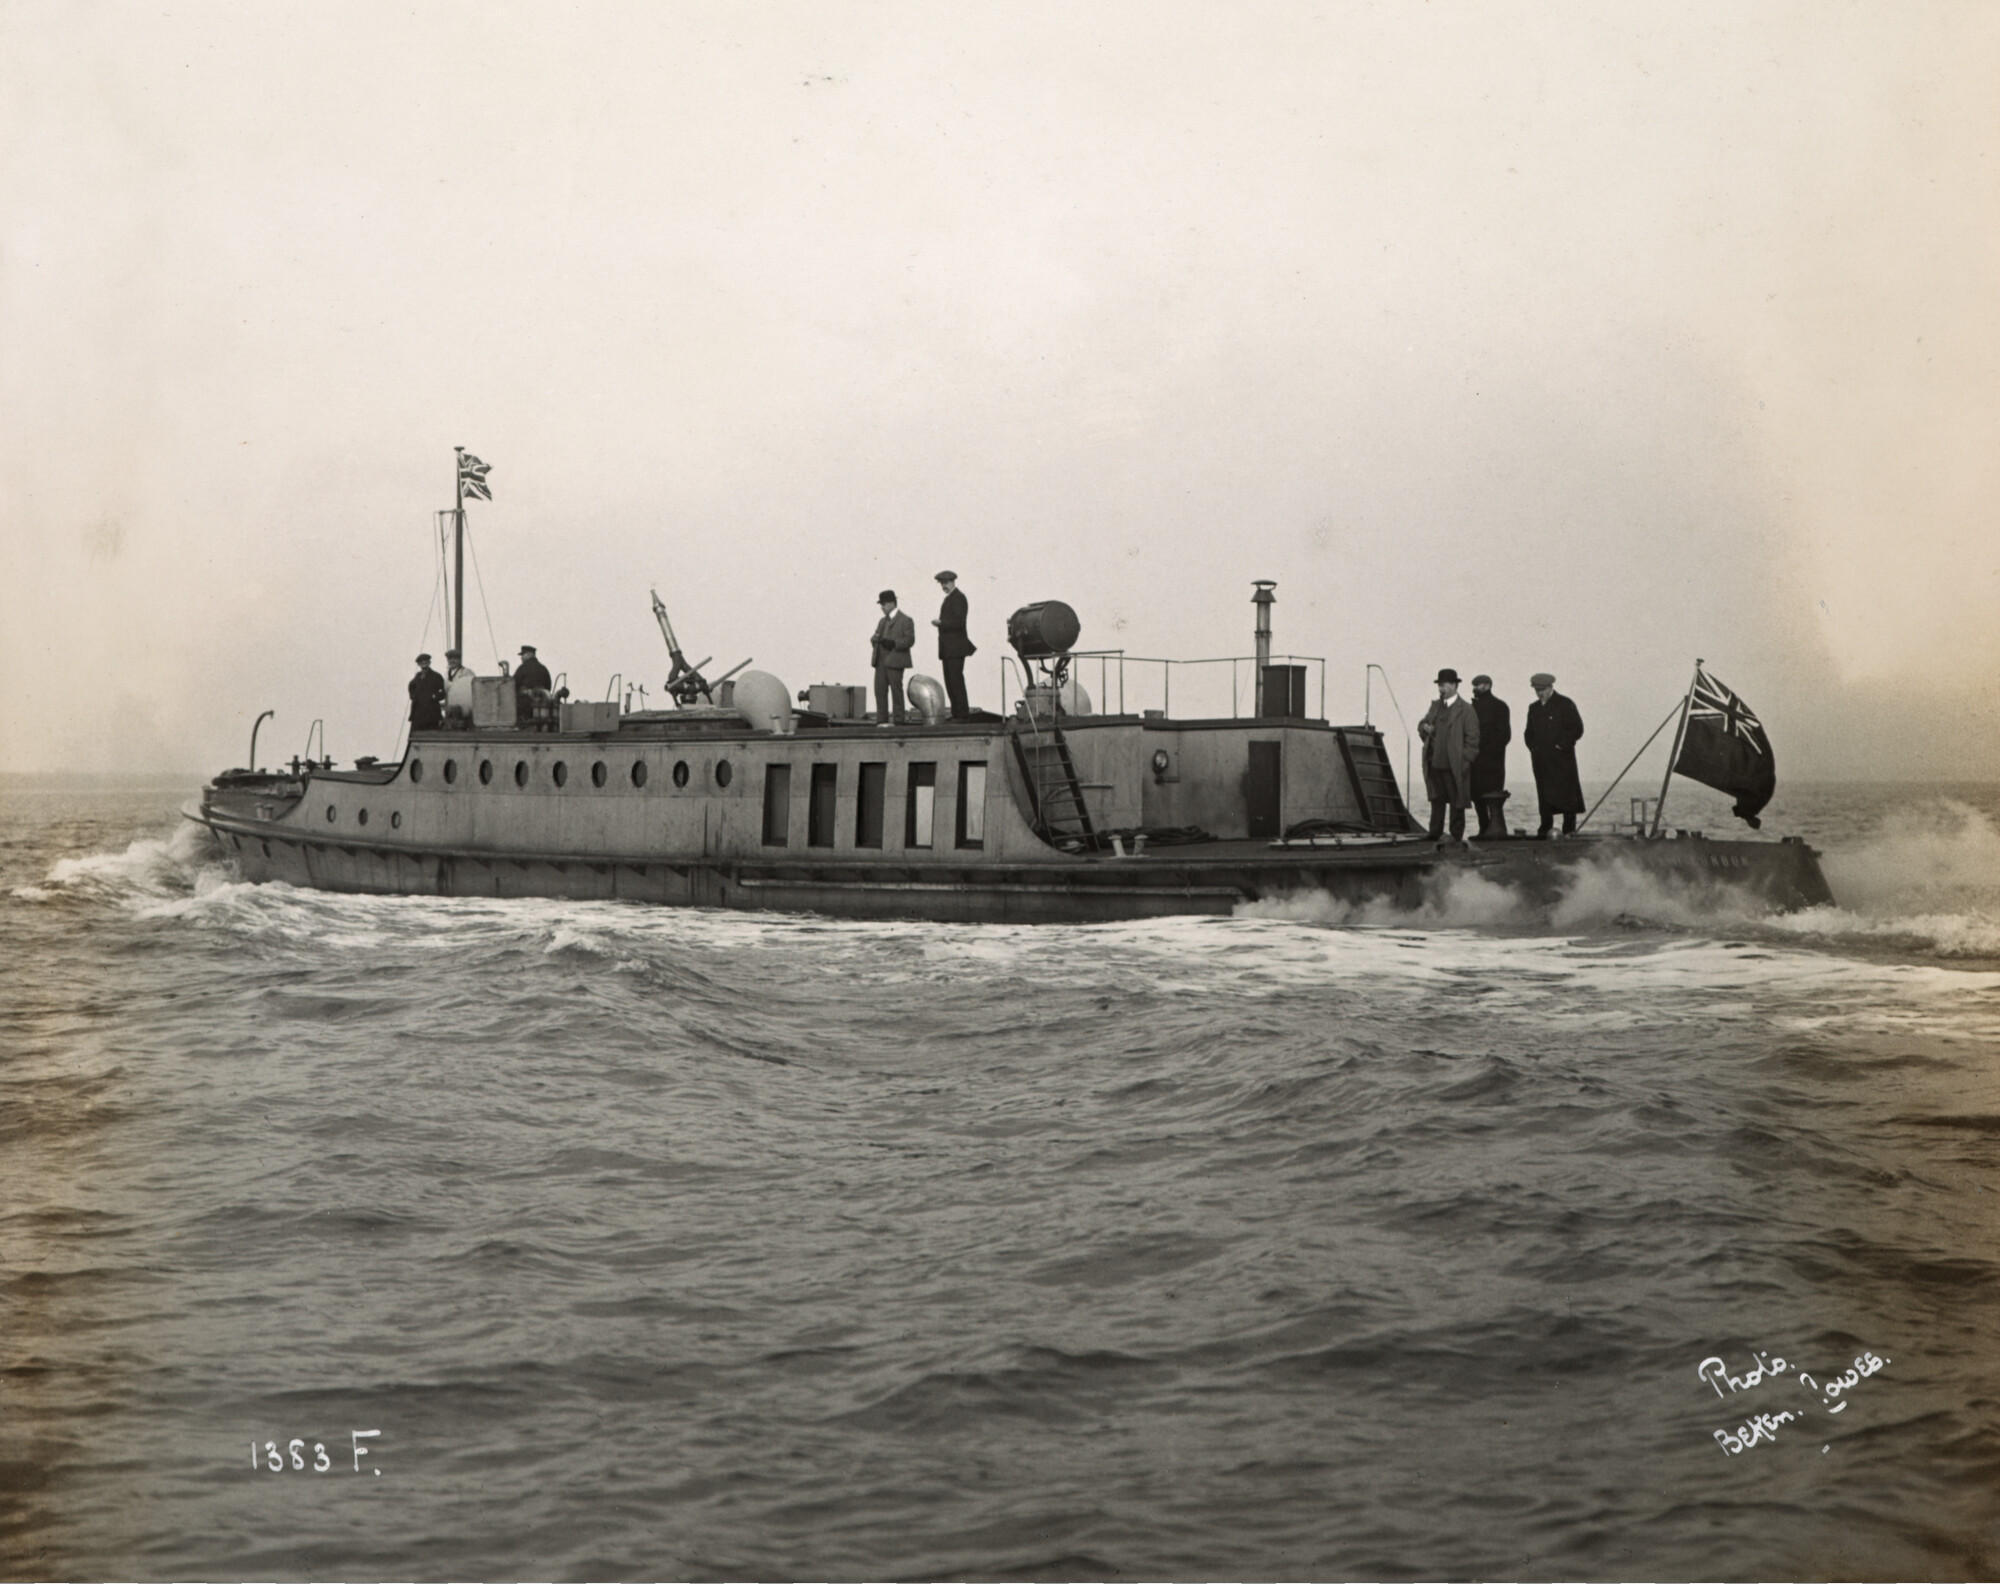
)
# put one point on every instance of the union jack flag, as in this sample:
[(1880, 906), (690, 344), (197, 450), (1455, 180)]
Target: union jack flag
[(1715, 705), (472, 475)]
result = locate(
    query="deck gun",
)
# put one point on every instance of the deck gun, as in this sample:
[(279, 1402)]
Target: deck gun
[(685, 683)]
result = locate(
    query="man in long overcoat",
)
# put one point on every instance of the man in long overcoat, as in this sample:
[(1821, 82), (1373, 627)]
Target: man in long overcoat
[(1489, 770), (1553, 728), (1450, 732), (895, 636), (953, 644), (426, 697)]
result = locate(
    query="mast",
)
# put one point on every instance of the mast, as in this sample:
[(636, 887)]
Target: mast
[(1680, 731), (458, 560)]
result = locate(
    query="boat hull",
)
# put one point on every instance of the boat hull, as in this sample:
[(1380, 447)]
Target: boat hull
[(1212, 878)]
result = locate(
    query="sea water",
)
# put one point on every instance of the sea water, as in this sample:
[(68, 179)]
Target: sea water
[(418, 1238)]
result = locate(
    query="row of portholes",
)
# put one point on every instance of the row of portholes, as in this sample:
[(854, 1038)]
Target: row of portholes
[(360, 818), (559, 773)]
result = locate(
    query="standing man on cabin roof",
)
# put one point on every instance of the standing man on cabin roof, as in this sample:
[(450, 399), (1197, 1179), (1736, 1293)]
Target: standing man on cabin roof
[(531, 677), (531, 673), (953, 644), (1489, 770), (1450, 732), (1553, 728), (895, 636), (426, 697)]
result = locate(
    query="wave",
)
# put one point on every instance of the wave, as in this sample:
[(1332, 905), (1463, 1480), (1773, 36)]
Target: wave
[(180, 865)]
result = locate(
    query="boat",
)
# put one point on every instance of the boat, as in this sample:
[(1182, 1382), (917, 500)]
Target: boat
[(743, 795)]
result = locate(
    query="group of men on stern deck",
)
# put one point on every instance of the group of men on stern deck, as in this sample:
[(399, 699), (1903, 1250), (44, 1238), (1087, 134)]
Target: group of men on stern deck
[(896, 635), (1465, 756)]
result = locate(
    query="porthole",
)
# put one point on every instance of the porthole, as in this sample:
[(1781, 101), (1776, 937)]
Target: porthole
[(450, 771), (486, 772), (267, 848), (680, 772), (597, 774), (559, 773), (361, 818), (396, 820), (416, 769), (332, 814), (724, 772), (520, 772), (638, 772)]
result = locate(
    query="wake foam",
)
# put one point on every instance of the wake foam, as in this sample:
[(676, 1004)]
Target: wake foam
[(1609, 892), (151, 870), (1926, 880)]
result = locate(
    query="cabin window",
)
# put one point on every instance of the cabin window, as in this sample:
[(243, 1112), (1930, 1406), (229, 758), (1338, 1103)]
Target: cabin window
[(920, 807), (868, 805), (597, 774), (560, 773), (395, 823), (777, 804), (486, 772), (450, 771), (680, 772), (520, 772), (361, 818), (724, 773), (820, 805), (972, 803), (638, 772), (416, 769)]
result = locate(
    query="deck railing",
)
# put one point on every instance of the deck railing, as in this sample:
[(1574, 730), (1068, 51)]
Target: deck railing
[(1126, 683)]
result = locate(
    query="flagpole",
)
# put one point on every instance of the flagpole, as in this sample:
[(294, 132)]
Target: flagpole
[(458, 562), (1680, 732)]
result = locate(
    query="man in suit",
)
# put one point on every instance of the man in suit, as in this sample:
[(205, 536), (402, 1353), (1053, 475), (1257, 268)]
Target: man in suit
[(1489, 770), (1553, 728), (895, 636), (1450, 731), (426, 697), (953, 644)]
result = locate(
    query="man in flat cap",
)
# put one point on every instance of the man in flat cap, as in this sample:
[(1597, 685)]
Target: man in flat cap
[(953, 644), (895, 636), (1489, 770), (1450, 731), (1553, 728), (426, 697)]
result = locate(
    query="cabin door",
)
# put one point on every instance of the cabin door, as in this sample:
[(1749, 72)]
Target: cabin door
[(1261, 784)]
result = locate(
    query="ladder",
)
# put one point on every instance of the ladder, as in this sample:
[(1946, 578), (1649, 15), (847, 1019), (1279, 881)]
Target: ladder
[(1061, 817), (1374, 781)]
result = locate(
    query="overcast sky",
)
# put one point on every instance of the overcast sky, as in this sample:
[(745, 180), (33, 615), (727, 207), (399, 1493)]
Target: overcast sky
[(1582, 338)]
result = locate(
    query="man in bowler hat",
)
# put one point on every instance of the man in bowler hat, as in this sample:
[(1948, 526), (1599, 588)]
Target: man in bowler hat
[(895, 636), (953, 644), (1450, 731)]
